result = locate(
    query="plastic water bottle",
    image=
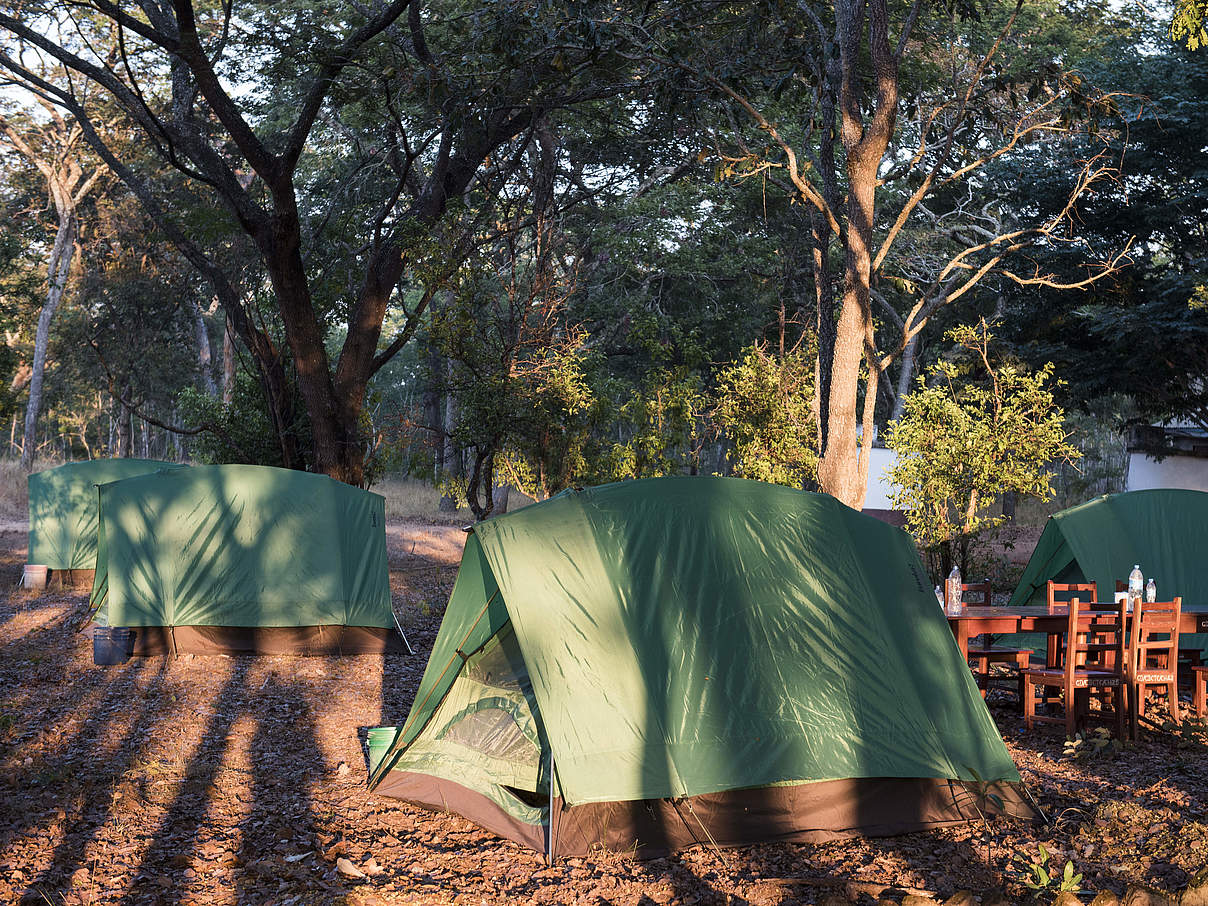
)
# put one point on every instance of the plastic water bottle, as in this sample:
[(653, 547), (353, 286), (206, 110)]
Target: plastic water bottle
[(1136, 585), (939, 595), (954, 592), (1151, 591)]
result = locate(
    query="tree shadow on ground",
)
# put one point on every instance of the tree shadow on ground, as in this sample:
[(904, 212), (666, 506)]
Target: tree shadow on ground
[(174, 841), (279, 828), (91, 804)]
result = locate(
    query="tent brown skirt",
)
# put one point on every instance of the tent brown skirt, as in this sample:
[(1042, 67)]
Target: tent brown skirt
[(299, 640), (800, 813)]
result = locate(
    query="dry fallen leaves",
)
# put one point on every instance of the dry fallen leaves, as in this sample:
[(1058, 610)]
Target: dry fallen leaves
[(223, 775)]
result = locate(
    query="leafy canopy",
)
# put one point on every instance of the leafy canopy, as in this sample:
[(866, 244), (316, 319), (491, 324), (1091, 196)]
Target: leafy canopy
[(973, 430), (765, 406)]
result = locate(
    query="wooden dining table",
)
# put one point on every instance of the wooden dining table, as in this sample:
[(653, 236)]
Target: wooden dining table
[(974, 621)]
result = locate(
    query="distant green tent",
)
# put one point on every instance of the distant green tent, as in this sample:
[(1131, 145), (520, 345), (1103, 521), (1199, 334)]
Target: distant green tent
[(62, 508), (688, 660), (216, 559), (1163, 530)]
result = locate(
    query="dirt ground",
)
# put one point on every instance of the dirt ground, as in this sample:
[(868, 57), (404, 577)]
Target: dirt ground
[(242, 780)]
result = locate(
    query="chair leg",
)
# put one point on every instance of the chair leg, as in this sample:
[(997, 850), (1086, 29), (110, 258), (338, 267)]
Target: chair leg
[(1199, 679), (1072, 706), (1122, 709), (1172, 696), (1029, 701)]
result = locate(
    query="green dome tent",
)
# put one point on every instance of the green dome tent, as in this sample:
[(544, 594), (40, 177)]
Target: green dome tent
[(688, 660), (62, 509), (1164, 530), (221, 559)]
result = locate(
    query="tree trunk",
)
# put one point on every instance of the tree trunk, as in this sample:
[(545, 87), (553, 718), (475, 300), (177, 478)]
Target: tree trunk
[(502, 493), (124, 434), (905, 377), (339, 450), (843, 468), (821, 234), (228, 364), (205, 357), (60, 266), (432, 414), (451, 456)]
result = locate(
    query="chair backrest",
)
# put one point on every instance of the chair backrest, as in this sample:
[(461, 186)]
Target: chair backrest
[(980, 593), (1088, 637), (977, 594), (1061, 592), (1153, 648)]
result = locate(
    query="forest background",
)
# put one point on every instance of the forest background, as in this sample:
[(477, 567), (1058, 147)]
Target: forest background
[(546, 244)]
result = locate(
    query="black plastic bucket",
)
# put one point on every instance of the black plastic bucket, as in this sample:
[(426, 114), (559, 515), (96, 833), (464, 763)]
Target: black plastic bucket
[(112, 645)]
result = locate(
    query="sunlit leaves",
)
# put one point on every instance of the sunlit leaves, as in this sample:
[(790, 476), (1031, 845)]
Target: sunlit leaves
[(972, 431)]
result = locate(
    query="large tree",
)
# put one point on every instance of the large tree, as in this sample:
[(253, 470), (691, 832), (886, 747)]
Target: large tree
[(54, 145), (878, 117), (414, 104)]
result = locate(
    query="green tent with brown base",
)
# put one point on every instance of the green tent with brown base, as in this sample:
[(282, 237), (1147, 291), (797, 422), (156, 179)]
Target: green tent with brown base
[(234, 558), (654, 664), (62, 511), (1164, 530)]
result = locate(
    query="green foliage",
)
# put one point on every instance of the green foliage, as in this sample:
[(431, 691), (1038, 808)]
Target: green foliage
[(1040, 879), (973, 432), (1103, 466), (663, 421), (764, 406), (1096, 744), (1136, 334), (1188, 25), (240, 431)]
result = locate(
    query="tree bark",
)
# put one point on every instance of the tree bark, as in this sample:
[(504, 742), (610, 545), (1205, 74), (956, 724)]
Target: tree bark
[(205, 356), (822, 235), (905, 377), (124, 433), (451, 457), (228, 363), (843, 467), (60, 267), (433, 420)]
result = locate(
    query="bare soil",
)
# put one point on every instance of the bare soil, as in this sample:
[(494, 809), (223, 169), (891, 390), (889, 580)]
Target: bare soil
[(242, 780)]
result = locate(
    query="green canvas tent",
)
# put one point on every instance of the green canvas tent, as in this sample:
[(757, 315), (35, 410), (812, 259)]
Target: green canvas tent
[(666, 662), (220, 559), (1164, 530), (62, 509)]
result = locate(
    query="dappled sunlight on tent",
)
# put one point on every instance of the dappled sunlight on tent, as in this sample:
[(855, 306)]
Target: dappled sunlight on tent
[(63, 508), (246, 558), (712, 660)]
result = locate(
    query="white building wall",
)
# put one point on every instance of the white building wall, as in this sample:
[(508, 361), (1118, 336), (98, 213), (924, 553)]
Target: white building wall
[(879, 463), (1145, 472)]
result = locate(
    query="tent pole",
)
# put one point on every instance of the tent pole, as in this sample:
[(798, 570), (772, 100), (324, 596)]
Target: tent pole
[(550, 854), (399, 626)]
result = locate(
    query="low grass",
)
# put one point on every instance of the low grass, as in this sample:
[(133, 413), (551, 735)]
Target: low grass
[(14, 492), (409, 500)]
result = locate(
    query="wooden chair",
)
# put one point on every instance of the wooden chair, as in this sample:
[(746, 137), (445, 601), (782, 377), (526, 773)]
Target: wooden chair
[(1190, 657), (1074, 678), (1153, 656), (982, 650), (1059, 594), (1199, 691)]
